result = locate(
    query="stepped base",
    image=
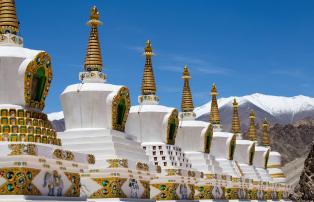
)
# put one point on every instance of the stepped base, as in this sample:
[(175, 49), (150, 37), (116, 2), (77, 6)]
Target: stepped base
[(203, 162), (229, 167)]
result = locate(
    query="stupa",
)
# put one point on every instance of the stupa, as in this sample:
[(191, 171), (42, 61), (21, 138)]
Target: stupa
[(156, 126), (261, 155), (33, 164), (223, 143), (195, 137), (245, 149), (274, 161), (95, 114)]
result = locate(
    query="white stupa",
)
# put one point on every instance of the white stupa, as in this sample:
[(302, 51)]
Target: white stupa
[(274, 166), (195, 137), (155, 126), (223, 143), (245, 149), (33, 164), (95, 114)]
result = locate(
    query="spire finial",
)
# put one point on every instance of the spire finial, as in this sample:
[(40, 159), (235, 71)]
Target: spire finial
[(252, 128), (265, 141), (214, 117), (8, 20), (148, 81), (148, 49), (235, 118), (187, 101), (93, 59)]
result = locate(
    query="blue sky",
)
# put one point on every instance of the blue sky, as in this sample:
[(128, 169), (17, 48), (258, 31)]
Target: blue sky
[(243, 46)]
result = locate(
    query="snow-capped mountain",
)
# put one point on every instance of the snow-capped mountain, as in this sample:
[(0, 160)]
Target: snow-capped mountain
[(57, 120), (55, 116), (277, 109)]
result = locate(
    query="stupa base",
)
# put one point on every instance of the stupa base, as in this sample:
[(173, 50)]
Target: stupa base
[(23, 198), (120, 199)]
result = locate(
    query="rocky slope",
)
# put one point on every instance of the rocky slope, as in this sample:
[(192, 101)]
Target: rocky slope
[(293, 171), (305, 189)]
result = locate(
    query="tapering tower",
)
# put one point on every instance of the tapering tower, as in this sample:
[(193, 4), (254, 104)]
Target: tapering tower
[(30, 150), (148, 89), (214, 117), (273, 163), (9, 24), (93, 60), (95, 114), (156, 127), (8, 20), (187, 106), (265, 140), (252, 127), (235, 128)]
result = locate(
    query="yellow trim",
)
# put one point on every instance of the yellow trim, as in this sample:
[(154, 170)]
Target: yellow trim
[(278, 175), (274, 166)]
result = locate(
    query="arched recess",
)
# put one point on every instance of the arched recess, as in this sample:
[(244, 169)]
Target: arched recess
[(37, 80), (172, 127), (208, 138), (251, 154), (232, 147), (266, 157), (120, 109)]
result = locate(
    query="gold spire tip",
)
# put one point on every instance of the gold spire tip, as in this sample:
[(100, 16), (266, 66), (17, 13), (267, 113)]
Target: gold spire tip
[(148, 80), (265, 140), (93, 58), (8, 19), (148, 48), (252, 128), (94, 18), (214, 89), (214, 117), (186, 73), (236, 128), (187, 101), (235, 103), (252, 115)]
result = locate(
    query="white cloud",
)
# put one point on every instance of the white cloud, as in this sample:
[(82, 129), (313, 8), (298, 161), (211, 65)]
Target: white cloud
[(138, 49), (170, 68), (296, 73)]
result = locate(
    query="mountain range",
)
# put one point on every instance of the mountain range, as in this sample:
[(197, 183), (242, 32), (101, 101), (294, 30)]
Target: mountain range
[(276, 109)]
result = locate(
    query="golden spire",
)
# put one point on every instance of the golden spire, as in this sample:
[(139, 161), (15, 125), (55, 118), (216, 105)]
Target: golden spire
[(214, 110), (252, 128), (8, 19), (93, 60), (148, 81), (187, 101), (235, 118), (265, 141)]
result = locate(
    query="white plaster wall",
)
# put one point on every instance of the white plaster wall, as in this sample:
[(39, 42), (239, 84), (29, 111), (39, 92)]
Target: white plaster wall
[(148, 122), (88, 105), (274, 158), (191, 135), (259, 156), (13, 63), (242, 151), (220, 145)]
